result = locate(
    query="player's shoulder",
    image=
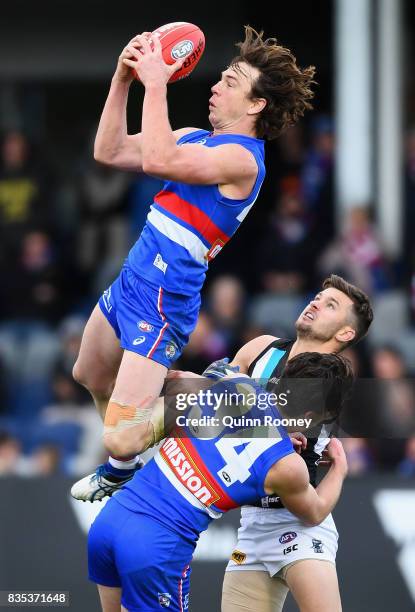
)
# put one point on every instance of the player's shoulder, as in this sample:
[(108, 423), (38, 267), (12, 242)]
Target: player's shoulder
[(259, 344), (243, 145), (242, 149), (185, 131), (250, 351)]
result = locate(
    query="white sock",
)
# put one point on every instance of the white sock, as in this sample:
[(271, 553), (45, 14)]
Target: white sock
[(123, 465)]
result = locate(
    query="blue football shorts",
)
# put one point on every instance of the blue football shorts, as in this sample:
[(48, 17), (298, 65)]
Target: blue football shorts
[(148, 320), (147, 560)]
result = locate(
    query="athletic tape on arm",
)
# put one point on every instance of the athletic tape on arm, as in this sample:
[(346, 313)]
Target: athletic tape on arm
[(119, 417)]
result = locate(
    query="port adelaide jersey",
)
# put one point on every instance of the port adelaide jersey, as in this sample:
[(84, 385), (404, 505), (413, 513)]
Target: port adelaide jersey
[(266, 369)]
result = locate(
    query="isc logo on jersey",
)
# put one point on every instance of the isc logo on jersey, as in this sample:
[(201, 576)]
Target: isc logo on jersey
[(180, 463)]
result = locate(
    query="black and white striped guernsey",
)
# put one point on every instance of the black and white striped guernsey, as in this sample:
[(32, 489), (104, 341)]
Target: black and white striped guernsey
[(267, 369)]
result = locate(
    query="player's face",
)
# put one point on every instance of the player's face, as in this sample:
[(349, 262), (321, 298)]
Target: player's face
[(230, 101), (327, 316)]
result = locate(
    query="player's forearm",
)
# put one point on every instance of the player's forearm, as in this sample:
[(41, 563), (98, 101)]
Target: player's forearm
[(158, 144), (328, 492), (112, 133)]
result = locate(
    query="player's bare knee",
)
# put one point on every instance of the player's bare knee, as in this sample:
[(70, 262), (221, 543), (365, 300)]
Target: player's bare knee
[(143, 439), (85, 377), (114, 444), (127, 441), (98, 386), (120, 444), (77, 373)]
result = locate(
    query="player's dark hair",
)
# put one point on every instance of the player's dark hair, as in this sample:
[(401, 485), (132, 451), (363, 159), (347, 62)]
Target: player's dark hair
[(324, 381), (285, 86), (362, 313)]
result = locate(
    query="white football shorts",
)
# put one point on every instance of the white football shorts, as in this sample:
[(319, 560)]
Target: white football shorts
[(271, 538)]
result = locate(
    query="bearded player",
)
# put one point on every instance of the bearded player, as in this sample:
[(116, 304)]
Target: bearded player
[(276, 551), (143, 321)]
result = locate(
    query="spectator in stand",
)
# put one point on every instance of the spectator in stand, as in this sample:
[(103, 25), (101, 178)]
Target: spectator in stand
[(34, 284), (45, 460), (3, 387), (318, 163), (317, 180), (104, 239), (359, 456), (409, 219), (408, 260), (34, 294), (66, 390), (71, 420), (355, 419), (352, 355), (388, 363), (358, 254), (226, 301), (406, 467), (291, 152), (11, 458), (24, 197), (286, 246), (412, 295), (205, 345), (395, 400)]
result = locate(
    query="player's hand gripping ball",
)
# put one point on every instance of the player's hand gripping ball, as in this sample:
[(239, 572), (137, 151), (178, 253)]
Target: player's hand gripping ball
[(180, 40)]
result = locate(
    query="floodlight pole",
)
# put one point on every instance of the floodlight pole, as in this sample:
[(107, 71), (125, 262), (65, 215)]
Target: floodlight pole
[(390, 124), (354, 105)]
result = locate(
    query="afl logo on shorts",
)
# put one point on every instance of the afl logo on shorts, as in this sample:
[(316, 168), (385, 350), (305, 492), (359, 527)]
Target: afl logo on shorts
[(145, 327), (182, 49), (289, 536)]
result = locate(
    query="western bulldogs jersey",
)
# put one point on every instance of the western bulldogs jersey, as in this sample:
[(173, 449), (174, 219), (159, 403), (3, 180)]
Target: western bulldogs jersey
[(188, 225), (267, 368), (193, 480)]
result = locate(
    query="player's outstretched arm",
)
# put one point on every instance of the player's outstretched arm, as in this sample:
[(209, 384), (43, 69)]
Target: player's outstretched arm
[(161, 157), (113, 145), (289, 479)]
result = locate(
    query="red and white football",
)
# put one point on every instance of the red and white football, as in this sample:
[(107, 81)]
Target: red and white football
[(181, 40)]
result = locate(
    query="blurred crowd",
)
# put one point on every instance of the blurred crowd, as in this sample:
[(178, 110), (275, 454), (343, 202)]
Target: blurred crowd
[(64, 236)]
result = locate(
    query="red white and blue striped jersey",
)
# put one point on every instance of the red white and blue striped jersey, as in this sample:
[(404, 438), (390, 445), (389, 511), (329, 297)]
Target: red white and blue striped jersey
[(194, 479), (188, 225)]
